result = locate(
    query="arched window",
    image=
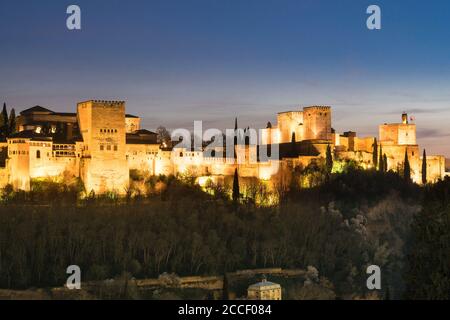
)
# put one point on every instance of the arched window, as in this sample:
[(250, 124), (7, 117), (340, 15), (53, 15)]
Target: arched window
[(38, 154)]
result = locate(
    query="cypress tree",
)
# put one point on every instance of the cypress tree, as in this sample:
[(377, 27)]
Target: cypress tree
[(406, 168), (12, 122), (381, 161), (329, 160), (4, 121), (293, 143), (375, 153), (385, 163), (236, 193), (424, 167)]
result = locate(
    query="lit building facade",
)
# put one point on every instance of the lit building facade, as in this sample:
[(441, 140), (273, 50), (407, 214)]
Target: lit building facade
[(101, 144)]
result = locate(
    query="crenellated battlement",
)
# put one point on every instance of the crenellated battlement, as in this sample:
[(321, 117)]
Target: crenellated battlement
[(320, 108), (105, 102)]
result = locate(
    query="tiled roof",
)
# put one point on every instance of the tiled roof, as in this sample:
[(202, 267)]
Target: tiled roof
[(36, 109)]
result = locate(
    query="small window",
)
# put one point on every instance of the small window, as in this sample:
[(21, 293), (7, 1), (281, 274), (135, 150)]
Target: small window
[(115, 148), (108, 147), (101, 147)]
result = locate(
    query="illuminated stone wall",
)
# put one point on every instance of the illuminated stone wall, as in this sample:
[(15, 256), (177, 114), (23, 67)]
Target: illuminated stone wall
[(142, 157), (18, 164), (290, 122), (397, 134), (102, 125), (435, 168), (132, 124), (317, 123), (47, 162), (103, 159)]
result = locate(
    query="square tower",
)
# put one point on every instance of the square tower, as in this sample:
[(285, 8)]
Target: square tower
[(317, 123), (104, 165)]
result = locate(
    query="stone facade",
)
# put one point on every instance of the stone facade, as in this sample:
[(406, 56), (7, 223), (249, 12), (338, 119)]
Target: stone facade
[(104, 144)]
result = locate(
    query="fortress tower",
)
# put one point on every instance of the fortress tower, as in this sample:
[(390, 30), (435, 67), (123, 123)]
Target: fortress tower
[(18, 162), (288, 123), (317, 123), (104, 165)]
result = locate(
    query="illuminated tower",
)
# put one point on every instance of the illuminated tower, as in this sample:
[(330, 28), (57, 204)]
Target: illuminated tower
[(104, 165)]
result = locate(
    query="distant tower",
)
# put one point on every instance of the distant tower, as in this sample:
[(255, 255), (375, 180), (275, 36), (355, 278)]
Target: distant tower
[(317, 123), (104, 165), (404, 118)]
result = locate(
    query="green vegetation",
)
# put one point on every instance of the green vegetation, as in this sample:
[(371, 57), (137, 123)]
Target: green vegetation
[(339, 225)]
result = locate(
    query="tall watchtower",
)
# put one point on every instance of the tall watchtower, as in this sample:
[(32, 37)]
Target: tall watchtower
[(317, 123), (103, 166)]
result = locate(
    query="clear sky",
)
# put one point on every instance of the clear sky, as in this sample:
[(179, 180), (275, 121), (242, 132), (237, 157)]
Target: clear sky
[(179, 61)]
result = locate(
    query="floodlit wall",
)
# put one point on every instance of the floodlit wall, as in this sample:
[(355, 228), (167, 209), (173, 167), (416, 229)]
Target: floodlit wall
[(104, 138)]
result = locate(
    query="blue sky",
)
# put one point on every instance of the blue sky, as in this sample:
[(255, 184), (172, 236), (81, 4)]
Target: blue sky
[(179, 61)]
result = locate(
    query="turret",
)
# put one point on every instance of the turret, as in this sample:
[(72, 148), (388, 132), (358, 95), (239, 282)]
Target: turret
[(404, 118)]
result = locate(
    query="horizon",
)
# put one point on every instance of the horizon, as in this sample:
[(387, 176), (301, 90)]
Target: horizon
[(176, 62)]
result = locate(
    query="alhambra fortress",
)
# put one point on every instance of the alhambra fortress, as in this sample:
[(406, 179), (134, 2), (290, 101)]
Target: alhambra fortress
[(100, 144)]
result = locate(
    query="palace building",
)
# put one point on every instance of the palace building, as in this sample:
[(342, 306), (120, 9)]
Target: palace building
[(100, 144)]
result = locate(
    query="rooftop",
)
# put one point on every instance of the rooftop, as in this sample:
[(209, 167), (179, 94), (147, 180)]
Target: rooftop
[(263, 284), (36, 109)]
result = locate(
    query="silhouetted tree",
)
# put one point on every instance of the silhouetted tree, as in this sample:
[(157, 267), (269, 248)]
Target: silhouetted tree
[(236, 192), (293, 143), (385, 163), (424, 167), (381, 161), (4, 121), (163, 135), (406, 168), (12, 122), (375, 154), (428, 274), (329, 160)]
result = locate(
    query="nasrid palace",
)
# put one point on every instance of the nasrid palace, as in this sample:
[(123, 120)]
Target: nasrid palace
[(100, 144)]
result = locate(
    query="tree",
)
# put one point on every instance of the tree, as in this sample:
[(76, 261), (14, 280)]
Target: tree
[(428, 274), (12, 122), (375, 153), (4, 121), (329, 160), (406, 168), (424, 167), (236, 193), (381, 161), (163, 135), (293, 145), (385, 163)]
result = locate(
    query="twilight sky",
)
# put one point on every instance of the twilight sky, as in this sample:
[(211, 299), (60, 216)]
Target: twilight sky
[(174, 62)]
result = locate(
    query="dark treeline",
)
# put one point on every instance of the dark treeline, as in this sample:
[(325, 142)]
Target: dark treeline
[(355, 219)]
